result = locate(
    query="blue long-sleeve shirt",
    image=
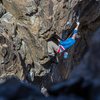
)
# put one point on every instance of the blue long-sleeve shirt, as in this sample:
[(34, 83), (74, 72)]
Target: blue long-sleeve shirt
[(67, 43)]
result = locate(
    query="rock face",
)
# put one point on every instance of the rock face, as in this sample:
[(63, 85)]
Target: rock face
[(26, 26), (83, 83)]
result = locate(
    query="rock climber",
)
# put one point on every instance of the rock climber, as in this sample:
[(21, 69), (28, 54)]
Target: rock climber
[(71, 40), (53, 48)]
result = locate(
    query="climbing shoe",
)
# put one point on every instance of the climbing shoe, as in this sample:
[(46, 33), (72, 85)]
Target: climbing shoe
[(65, 55)]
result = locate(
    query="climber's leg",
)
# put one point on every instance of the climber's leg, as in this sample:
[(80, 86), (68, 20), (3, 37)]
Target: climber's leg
[(52, 48)]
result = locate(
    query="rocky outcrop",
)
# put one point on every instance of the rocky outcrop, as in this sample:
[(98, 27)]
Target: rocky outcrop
[(26, 26)]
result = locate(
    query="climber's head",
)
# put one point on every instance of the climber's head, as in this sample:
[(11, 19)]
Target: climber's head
[(68, 25)]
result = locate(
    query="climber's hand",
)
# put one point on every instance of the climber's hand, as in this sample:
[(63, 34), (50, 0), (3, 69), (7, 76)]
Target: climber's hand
[(78, 23)]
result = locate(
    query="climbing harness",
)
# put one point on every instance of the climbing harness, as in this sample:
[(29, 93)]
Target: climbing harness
[(61, 49)]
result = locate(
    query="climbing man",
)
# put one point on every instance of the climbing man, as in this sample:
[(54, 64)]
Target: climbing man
[(53, 48), (71, 40)]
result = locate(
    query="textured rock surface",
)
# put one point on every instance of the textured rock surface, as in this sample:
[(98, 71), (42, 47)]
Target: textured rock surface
[(83, 84), (26, 26)]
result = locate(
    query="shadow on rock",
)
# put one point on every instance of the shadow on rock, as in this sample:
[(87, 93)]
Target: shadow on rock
[(14, 89)]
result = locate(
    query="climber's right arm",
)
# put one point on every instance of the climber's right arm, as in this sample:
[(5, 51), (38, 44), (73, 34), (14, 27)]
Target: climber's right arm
[(75, 30)]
